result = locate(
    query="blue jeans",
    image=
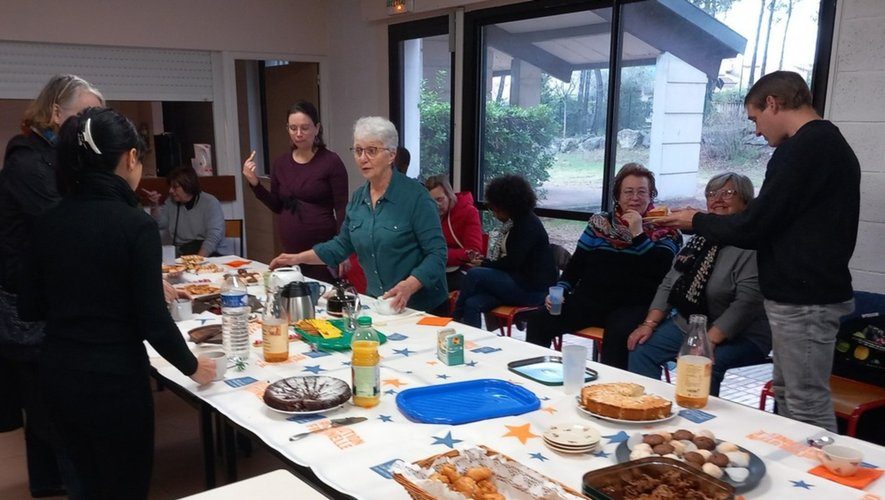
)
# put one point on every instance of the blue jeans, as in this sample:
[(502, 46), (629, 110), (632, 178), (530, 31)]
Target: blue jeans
[(802, 339), (664, 344), (484, 289)]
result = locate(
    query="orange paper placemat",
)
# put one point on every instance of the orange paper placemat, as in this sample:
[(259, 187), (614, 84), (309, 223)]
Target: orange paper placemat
[(237, 263), (860, 480), (434, 321)]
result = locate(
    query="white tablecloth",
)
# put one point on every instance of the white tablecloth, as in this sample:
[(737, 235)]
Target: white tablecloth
[(357, 459)]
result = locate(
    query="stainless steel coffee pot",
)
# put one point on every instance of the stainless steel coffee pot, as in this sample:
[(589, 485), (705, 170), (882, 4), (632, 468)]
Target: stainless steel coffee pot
[(296, 300)]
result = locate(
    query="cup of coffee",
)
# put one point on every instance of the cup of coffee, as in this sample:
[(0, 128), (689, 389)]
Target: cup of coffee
[(840, 460), (220, 359), (181, 309)]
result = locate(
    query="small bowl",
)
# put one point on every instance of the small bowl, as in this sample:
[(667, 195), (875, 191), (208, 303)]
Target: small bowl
[(840, 460), (385, 307)]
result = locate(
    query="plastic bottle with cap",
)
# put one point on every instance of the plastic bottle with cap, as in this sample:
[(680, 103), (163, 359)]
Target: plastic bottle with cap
[(364, 364)]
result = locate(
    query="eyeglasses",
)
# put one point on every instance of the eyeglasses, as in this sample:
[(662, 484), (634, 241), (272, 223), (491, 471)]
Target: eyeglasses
[(629, 193), (726, 194), (294, 128), (371, 151)]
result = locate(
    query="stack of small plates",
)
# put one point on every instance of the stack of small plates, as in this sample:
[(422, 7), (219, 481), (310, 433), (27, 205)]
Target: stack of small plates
[(572, 438)]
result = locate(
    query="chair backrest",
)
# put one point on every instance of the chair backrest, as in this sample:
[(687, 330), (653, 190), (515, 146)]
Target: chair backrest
[(233, 229), (561, 256)]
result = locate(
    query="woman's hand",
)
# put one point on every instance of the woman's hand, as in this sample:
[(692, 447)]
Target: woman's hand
[(344, 268), (549, 303), (205, 371), (249, 170), (152, 196), (170, 293), (402, 292), (634, 221), (284, 260), (641, 334)]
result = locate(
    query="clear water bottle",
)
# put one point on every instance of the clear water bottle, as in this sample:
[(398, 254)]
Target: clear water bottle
[(235, 318), (694, 366)]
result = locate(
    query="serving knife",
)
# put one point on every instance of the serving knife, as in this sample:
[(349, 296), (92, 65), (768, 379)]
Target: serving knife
[(335, 422)]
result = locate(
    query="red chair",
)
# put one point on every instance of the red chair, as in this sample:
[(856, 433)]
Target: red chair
[(851, 399), (356, 276)]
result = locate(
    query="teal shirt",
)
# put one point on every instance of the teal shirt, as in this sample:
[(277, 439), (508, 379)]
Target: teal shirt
[(402, 236)]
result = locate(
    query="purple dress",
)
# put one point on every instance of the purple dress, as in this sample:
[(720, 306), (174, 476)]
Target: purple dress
[(311, 199)]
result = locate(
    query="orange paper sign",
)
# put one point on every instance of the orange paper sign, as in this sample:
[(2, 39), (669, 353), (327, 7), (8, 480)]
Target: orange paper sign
[(434, 321)]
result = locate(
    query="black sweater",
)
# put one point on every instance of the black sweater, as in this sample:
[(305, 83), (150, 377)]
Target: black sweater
[(804, 221), (94, 275), (27, 189), (529, 257)]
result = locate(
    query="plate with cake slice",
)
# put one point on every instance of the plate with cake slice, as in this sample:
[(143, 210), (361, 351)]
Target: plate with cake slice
[(624, 402), (306, 395)]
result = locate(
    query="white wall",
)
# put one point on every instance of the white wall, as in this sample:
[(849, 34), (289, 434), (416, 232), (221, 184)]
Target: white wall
[(855, 104)]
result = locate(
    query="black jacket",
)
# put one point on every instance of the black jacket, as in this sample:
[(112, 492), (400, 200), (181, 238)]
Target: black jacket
[(94, 276), (28, 187), (529, 257), (804, 221)]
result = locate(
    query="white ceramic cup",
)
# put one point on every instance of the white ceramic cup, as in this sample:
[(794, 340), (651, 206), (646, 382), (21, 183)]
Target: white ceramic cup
[(840, 460), (220, 359), (182, 309), (385, 306), (574, 362)]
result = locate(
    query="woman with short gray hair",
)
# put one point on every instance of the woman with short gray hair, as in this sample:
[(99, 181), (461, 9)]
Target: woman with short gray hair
[(392, 225), (720, 282)]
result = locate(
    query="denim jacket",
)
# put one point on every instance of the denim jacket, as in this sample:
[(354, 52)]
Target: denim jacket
[(400, 237)]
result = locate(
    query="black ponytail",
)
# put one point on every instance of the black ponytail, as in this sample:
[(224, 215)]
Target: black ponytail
[(94, 141)]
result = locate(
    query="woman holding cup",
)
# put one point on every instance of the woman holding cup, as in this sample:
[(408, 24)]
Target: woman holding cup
[(616, 267)]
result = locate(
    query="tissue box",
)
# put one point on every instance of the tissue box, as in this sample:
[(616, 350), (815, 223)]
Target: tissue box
[(450, 346)]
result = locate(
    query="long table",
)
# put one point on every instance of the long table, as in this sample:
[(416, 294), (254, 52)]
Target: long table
[(356, 460)]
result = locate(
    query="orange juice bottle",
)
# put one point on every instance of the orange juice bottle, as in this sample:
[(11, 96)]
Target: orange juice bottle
[(364, 364), (275, 329), (694, 366)]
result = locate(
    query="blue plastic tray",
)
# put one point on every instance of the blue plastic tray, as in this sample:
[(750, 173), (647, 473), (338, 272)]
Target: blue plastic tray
[(463, 402)]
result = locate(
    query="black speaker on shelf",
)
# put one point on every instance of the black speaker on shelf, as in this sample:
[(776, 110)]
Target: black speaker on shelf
[(168, 150)]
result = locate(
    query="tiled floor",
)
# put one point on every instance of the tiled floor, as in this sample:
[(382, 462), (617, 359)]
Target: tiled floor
[(178, 462)]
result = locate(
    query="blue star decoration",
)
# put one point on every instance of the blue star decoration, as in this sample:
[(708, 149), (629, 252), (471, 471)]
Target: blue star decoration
[(801, 484), (345, 363), (315, 369), (601, 454), (443, 376), (470, 364), (385, 418), (538, 456), (397, 336), (545, 398), (486, 350), (617, 438), (390, 391), (405, 352), (448, 440)]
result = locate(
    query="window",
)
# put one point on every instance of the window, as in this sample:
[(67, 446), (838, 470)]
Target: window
[(421, 93), (565, 93)]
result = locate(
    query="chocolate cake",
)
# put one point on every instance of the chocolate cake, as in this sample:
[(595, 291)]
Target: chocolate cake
[(308, 393)]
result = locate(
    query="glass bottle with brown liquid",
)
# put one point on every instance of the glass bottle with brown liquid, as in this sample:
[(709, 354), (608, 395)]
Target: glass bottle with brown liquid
[(694, 366), (275, 328)]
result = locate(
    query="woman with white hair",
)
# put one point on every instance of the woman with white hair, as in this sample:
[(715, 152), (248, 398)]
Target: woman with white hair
[(392, 225)]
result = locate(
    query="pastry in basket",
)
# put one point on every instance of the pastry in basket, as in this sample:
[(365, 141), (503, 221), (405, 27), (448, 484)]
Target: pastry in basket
[(201, 289), (192, 259), (624, 400)]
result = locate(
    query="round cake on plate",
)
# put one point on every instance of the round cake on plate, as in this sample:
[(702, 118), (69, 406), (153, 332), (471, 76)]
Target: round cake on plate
[(308, 393), (625, 401)]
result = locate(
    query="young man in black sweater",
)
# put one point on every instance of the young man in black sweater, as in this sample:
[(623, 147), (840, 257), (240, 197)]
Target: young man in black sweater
[(804, 226)]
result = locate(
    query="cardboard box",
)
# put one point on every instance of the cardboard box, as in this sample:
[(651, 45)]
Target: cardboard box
[(450, 347)]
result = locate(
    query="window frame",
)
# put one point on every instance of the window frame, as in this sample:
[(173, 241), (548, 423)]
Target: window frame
[(411, 30), (473, 83)]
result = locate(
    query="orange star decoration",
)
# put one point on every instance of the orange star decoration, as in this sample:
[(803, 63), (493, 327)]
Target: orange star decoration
[(521, 432), (394, 382), (551, 410), (431, 363)]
